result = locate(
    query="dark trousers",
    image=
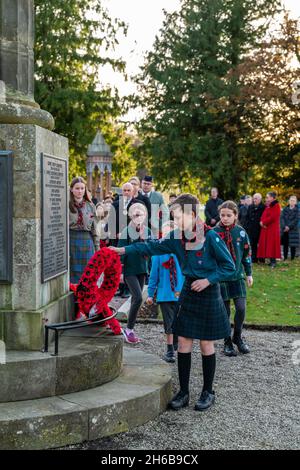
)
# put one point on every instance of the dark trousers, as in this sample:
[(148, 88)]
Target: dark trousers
[(254, 242), (135, 285), (240, 312), (285, 243), (168, 310)]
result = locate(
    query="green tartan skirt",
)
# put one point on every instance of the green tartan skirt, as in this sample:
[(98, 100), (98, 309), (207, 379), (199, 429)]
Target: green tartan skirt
[(233, 289), (81, 250), (201, 315)]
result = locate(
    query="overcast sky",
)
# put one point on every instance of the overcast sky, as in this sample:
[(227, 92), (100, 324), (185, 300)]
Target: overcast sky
[(144, 19)]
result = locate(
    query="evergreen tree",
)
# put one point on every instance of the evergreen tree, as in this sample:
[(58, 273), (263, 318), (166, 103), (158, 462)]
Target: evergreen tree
[(207, 109), (72, 42)]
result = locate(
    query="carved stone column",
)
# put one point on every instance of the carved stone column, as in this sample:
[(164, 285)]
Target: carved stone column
[(17, 105)]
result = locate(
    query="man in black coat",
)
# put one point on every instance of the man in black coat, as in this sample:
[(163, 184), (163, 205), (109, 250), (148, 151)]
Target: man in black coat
[(137, 195), (245, 203), (253, 216), (211, 212)]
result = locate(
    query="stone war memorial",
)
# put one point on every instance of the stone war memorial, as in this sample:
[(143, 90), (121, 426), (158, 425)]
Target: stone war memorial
[(149, 228), (51, 400), (34, 167)]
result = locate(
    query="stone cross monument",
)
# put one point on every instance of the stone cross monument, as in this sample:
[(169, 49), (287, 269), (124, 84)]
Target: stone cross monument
[(33, 193)]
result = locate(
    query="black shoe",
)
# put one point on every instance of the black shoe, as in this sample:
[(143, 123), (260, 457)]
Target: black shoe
[(229, 348), (205, 401), (180, 400), (169, 356), (241, 344)]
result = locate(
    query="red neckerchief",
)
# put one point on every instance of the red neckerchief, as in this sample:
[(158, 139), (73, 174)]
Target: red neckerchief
[(227, 237), (79, 208), (139, 230), (200, 230), (170, 264)]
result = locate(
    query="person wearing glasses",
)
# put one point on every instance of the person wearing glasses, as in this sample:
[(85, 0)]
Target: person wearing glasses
[(135, 265)]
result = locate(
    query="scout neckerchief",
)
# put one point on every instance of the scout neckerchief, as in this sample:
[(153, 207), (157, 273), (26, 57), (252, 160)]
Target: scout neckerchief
[(197, 241), (227, 237), (140, 230), (79, 206), (170, 264)]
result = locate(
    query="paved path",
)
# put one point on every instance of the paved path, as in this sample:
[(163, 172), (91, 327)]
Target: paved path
[(257, 406)]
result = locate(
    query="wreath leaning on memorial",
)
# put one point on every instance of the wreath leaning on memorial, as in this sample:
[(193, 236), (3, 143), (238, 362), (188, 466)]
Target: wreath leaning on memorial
[(97, 286)]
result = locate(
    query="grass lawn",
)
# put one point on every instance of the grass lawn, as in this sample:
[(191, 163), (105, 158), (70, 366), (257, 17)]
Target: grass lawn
[(274, 298), (275, 295)]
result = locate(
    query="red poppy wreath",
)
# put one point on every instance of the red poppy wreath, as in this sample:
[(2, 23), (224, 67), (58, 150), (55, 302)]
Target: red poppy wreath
[(97, 286)]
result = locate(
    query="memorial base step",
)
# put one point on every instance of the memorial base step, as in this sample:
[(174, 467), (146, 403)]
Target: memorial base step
[(138, 395)]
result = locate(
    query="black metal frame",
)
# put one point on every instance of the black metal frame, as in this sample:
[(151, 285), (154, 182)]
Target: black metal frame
[(6, 157), (71, 325)]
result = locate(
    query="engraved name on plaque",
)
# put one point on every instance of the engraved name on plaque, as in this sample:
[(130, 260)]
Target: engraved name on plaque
[(54, 217), (6, 198)]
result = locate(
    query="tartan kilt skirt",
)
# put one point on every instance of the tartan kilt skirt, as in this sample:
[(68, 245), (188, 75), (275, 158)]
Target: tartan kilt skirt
[(233, 289), (81, 250), (201, 315)]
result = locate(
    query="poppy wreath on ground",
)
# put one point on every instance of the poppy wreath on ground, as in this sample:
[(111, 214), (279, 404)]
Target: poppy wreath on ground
[(97, 286)]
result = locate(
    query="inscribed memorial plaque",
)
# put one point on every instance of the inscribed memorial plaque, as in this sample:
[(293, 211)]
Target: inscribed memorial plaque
[(54, 217)]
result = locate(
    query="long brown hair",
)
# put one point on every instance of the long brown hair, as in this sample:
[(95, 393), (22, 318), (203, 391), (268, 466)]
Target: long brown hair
[(86, 197)]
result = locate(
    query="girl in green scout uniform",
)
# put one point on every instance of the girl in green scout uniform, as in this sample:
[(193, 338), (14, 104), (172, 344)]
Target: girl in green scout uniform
[(237, 242), (205, 261), (135, 264)]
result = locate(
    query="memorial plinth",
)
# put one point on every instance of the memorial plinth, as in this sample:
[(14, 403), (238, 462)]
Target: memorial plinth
[(38, 292)]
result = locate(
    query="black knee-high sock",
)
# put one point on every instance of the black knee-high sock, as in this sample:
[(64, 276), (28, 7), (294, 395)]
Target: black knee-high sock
[(240, 313), (184, 368), (208, 367)]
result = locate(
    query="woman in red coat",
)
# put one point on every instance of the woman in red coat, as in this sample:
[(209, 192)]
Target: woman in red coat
[(269, 240)]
